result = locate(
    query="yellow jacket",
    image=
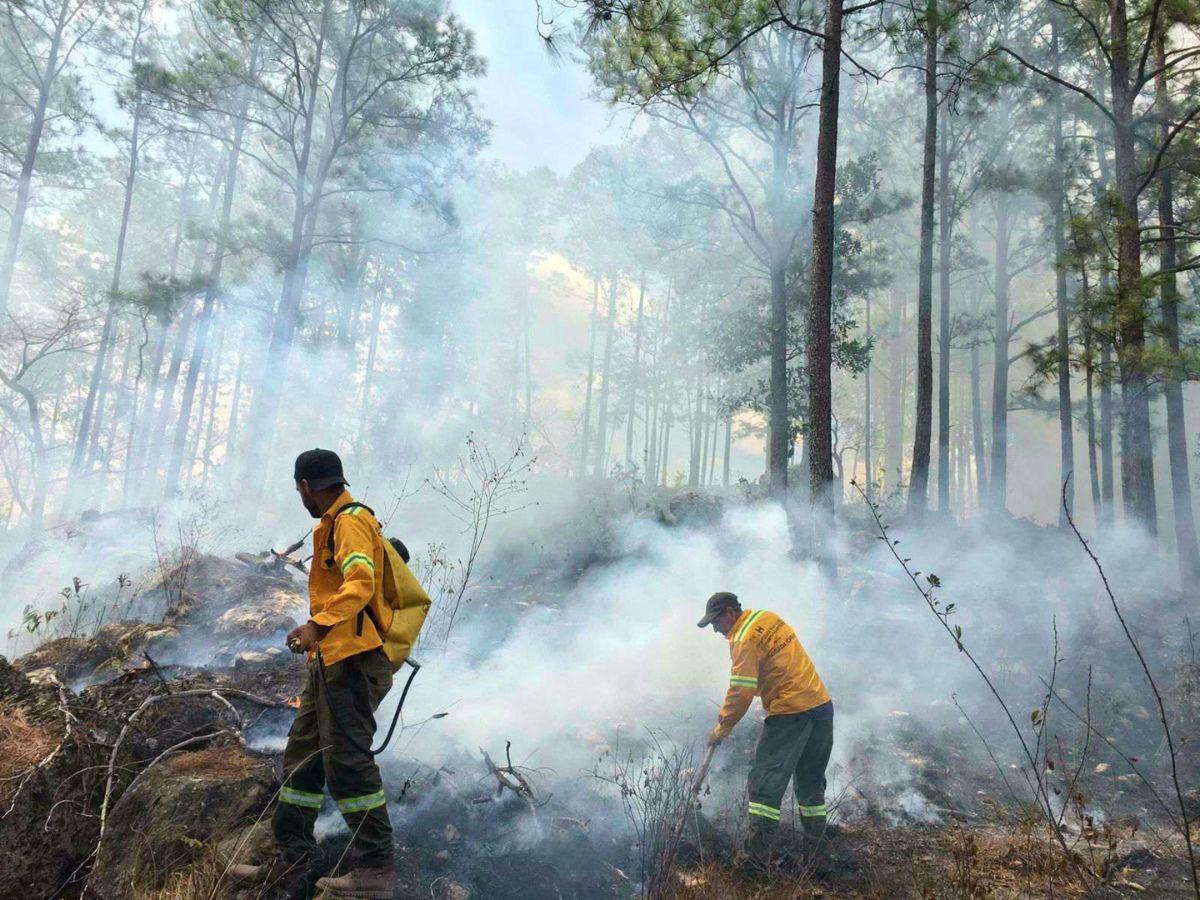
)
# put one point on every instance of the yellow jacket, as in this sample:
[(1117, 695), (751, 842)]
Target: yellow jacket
[(768, 661), (345, 589)]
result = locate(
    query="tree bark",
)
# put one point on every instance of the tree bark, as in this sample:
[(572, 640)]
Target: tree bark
[(945, 235), (1063, 344), (1181, 486), (918, 488), (819, 349), (869, 470), (1137, 443)]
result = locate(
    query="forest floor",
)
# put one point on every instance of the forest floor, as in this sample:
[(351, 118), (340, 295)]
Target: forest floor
[(138, 761)]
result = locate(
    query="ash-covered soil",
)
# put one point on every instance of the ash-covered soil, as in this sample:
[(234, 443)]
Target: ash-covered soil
[(140, 760)]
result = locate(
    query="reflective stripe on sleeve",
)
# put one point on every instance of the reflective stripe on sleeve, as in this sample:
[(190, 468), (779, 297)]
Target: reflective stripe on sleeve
[(301, 798), (354, 558), (362, 804), (767, 812), (746, 628), (743, 681)]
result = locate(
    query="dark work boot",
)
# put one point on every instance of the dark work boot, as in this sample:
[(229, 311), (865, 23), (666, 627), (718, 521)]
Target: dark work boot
[(281, 869), (362, 883)]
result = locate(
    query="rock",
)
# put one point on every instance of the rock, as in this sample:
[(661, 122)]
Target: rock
[(174, 812), (224, 596), (110, 650)]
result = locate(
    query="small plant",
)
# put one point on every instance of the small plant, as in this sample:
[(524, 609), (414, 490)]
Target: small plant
[(477, 489), (655, 787)]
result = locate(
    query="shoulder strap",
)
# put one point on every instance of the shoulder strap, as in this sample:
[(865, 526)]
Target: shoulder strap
[(353, 504)]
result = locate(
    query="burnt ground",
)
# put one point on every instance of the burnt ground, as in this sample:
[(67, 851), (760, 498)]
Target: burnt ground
[(925, 811)]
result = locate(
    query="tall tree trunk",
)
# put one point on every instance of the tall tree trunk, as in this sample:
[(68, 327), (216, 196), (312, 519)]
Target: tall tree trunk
[(1093, 467), (37, 127), (870, 467), (918, 489), (728, 447), (1107, 464), (306, 207), (1065, 424), (634, 372), (41, 471), (587, 403), (945, 234), (652, 435), (977, 435), (694, 429), (220, 251), (778, 424), (235, 406), (364, 402), (998, 477), (893, 420), (1137, 443), (600, 464), (819, 344), (91, 421), (668, 422), (1181, 484), (526, 328)]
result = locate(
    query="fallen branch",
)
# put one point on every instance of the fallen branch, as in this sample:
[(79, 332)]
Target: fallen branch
[(510, 777)]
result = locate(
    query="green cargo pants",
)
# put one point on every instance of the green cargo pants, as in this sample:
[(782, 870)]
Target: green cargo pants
[(792, 748), (319, 755)]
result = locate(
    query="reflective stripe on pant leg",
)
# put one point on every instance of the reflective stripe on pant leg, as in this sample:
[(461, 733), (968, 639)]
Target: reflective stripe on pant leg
[(779, 748), (810, 770), (767, 812), (361, 804), (301, 798), (353, 776)]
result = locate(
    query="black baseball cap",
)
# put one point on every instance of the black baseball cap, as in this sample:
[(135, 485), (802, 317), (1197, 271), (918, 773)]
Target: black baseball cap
[(320, 468), (717, 603)]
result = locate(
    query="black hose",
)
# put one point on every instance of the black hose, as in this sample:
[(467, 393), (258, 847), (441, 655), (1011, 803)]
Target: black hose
[(416, 667)]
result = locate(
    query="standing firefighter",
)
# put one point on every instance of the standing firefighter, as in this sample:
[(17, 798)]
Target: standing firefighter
[(797, 736), (336, 720)]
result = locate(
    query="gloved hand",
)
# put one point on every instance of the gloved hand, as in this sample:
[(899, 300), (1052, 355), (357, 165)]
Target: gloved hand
[(304, 639), (715, 737)]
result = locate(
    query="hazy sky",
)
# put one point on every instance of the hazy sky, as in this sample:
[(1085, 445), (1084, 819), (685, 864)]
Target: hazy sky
[(540, 110)]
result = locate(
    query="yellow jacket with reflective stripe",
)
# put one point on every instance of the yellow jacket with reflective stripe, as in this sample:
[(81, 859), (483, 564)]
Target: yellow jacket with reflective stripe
[(343, 585), (768, 661)]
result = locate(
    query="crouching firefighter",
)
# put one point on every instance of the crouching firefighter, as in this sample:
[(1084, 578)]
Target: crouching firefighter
[(797, 736), (366, 610)]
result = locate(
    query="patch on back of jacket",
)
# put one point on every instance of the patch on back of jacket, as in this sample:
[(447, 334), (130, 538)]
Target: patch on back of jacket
[(775, 639)]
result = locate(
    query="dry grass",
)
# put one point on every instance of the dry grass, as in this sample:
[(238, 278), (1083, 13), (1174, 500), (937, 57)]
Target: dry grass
[(199, 881), (227, 762), (886, 863), (22, 743)]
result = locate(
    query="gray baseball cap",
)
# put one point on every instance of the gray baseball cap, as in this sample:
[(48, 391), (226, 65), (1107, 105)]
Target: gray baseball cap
[(717, 603)]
